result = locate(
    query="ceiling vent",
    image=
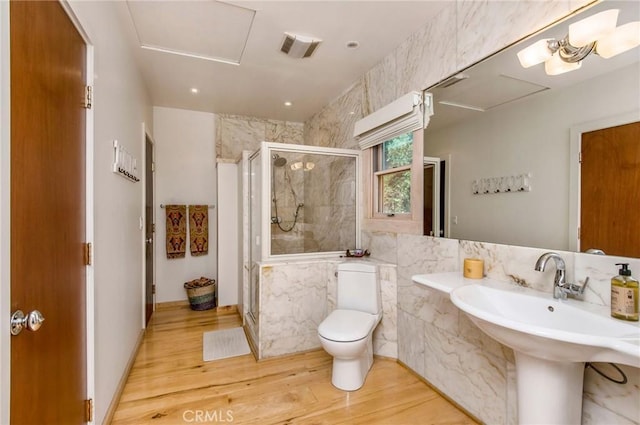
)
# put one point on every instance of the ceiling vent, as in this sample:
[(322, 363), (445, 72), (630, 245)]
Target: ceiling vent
[(298, 46)]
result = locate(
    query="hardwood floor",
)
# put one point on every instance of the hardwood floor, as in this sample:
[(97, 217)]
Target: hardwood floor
[(170, 384)]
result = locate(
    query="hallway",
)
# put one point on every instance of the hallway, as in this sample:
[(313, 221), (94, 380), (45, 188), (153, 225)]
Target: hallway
[(170, 384)]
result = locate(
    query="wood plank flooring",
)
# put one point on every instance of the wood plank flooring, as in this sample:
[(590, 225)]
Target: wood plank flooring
[(171, 384)]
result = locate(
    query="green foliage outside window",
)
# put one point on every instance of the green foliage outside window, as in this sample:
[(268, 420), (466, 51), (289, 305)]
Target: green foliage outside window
[(396, 186), (397, 152)]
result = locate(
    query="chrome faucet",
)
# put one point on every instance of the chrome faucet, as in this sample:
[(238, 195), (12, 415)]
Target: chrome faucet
[(561, 289)]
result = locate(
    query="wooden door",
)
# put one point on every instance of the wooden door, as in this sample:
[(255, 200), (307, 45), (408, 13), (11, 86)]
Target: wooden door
[(610, 190), (428, 188), (48, 366), (149, 231)]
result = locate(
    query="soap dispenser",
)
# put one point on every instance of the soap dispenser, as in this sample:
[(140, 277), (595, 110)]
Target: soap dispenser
[(624, 295)]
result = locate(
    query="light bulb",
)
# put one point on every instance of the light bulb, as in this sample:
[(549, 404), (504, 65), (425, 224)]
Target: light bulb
[(623, 38), (593, 28), (537, 53), (556, 65)]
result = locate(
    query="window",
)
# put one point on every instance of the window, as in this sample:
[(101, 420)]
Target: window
[(392, 172), (393, 184), (392, 140)]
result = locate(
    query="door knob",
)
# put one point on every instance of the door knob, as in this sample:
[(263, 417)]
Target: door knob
[(150, 240), (31, 321)]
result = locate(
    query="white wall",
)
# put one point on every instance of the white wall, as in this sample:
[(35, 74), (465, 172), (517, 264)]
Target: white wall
[(228, 238), (527, 136), (5, 213), (121, 105), (185, 161)]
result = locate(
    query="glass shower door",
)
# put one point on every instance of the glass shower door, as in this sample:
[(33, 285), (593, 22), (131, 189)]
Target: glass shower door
[(255, 254)]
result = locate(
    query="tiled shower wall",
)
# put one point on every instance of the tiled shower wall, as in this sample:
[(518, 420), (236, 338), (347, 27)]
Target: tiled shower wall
[(434, 338), (327, 221), (331, 190), (235, 133)]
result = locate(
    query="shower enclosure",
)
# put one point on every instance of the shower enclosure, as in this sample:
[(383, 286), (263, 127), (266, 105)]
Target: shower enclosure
[(304, 203)]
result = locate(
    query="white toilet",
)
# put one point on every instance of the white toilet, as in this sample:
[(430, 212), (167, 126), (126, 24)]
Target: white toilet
[(347, 332)]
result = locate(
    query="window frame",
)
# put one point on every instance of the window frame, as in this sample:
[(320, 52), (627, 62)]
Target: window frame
[(378, 189), (380, 172), (374, 220)]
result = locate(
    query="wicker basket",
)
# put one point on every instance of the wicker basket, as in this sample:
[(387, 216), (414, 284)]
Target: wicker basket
[(201, 293)]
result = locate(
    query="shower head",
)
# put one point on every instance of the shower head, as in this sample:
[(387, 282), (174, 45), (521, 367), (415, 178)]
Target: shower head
[(279, 161)]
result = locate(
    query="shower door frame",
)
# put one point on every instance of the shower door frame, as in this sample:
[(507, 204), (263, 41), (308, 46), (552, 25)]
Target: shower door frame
[(266, 148), (253, 286)]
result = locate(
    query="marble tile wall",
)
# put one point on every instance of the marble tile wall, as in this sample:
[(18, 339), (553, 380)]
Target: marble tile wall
[(327, 221), (334, 222), (333, 125), (290, 190), (293, 302), (434, 338), (460, 35), (317, 230), (385, 337), (235, 133), (484, 27), (343, 188), (442, 345), (296, 296)]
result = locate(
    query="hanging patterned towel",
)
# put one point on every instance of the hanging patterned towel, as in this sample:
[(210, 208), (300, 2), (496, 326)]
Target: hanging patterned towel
[(176, 230), (199, 229)]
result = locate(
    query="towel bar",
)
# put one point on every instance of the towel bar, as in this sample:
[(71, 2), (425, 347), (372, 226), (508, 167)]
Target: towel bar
[(210, 206)]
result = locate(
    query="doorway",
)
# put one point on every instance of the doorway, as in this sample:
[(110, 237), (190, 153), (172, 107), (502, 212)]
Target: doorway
[(48, 214), (149, 230), (434, 197)]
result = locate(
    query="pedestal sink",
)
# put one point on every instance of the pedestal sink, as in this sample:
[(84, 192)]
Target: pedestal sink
[(552, 340)]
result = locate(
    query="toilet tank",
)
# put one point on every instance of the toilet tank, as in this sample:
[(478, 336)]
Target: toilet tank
[(359, 287)]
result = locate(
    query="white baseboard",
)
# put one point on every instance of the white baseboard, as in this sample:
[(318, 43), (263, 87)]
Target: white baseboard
[(108, 417)]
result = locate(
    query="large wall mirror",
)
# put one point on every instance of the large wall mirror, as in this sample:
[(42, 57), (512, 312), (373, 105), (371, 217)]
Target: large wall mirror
[(508, 139)]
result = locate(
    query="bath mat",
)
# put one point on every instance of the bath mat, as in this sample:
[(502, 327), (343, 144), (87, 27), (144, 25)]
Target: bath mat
[(176, 230), (223, 344), (199, 229)]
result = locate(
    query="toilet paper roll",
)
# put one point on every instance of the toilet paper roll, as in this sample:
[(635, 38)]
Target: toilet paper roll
[(473, 268)]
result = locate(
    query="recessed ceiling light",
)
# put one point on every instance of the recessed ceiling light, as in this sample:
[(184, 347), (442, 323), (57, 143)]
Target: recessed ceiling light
[(288, 103), (353, 44), (194, 90)]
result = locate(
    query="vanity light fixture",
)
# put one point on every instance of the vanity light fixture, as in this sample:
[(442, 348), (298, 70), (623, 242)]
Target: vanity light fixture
[(194, 90), (288, 104), (596, 34)]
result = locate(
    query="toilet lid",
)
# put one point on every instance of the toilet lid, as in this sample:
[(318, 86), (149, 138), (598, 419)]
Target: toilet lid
[(347, 325)]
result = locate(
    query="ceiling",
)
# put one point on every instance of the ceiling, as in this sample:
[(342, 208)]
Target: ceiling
[(250, 33)]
